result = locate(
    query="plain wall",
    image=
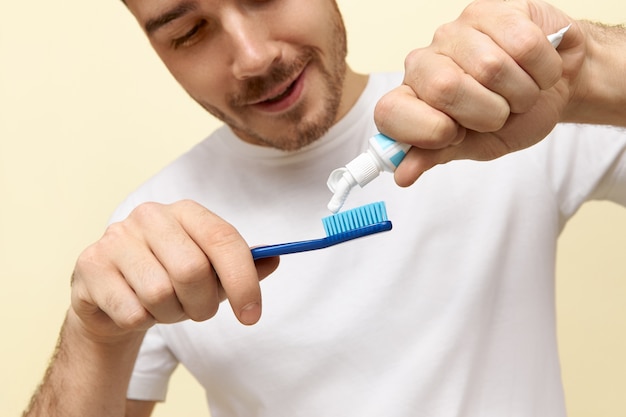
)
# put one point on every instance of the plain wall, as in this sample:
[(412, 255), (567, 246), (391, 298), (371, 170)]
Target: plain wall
[(87, 112)]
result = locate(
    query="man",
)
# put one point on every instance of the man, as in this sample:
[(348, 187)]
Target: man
[(449, 314)]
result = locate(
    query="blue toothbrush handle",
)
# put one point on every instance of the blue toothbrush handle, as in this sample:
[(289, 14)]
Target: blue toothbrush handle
[(308, 245)]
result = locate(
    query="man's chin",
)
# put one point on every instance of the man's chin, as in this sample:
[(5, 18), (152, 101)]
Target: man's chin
[(289, 135), (282, 143)]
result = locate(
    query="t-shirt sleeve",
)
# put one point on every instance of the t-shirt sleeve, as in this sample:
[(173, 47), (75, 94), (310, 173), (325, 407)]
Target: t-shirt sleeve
[(153, 369), (583, 163)]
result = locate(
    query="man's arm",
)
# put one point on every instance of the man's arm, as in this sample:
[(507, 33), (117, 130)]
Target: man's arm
[(47, 399), (136, 408), (86, 376), (490, 83), (160, 265), (599, 95)]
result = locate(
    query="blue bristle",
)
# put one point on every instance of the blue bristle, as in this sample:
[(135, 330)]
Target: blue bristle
[(355, 218)]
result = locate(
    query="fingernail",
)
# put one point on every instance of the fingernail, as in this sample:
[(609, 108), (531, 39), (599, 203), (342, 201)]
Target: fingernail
[(250, 314)]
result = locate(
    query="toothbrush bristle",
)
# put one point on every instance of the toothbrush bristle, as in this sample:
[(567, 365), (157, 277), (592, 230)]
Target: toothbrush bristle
[(355, 218)]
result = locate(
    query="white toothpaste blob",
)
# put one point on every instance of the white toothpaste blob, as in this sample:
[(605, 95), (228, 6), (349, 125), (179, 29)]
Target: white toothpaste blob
[(383, 154)]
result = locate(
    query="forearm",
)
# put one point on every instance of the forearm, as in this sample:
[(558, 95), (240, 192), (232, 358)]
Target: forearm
[(85, 377), (600, 93)]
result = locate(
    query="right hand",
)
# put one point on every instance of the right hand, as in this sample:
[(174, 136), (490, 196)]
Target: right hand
[(165, 264)]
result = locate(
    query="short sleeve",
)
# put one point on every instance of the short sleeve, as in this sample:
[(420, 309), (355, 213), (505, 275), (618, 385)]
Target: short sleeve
[(583, 163), (153, 369)]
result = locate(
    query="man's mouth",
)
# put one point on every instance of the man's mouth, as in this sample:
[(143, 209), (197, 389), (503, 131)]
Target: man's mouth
[(282, 97)]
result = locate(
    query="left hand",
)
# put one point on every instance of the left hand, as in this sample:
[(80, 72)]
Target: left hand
[(489, 84)]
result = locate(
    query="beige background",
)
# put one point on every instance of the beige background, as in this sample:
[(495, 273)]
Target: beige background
[(87, 113)]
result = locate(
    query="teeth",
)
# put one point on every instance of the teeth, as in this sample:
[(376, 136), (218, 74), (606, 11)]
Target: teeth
[(280, 96)]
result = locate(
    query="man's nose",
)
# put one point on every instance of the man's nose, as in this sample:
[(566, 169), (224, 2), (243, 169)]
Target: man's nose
[(253, 50)]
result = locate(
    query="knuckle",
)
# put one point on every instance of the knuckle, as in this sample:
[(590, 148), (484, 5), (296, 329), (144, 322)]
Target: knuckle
[(191, 271), (207, 311), (413, 58), (444, 32), (223, 234), (90, 259), (147, 210), (157, 293), (138, 318), (113, 232), (185, 205), (97, 255), (443, 90), (526, 47), (489, 69), (87, 257)]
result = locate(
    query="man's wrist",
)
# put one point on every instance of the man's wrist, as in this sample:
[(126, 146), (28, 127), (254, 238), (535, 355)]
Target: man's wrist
[(599, 93)]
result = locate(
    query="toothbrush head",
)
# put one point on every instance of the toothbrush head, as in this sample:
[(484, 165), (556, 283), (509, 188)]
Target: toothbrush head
[(356, 218)]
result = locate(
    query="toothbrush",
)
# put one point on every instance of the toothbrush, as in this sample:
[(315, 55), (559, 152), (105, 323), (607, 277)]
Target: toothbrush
[(383, 155), (342, 227)]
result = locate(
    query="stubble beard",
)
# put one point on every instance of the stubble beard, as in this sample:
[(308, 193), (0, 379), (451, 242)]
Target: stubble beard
[(297, 129)]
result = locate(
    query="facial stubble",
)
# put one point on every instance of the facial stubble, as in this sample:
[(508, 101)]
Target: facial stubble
[(299, 127)]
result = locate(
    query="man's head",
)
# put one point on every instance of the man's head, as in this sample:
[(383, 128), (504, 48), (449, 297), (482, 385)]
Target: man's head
[(271, 69)]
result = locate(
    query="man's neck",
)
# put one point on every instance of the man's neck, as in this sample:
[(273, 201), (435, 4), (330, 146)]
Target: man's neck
[(353, 86)]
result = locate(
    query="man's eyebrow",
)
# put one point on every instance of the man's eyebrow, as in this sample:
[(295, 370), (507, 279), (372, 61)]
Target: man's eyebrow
[(154, 24)]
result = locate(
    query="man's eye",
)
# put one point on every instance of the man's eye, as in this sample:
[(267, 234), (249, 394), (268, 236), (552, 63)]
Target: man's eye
[(188, 37)]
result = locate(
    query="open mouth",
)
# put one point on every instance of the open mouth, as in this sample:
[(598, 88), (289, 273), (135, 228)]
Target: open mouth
[(283, 99), (284, 94)]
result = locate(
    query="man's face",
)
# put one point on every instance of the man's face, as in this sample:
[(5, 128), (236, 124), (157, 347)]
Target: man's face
[(271, 69)]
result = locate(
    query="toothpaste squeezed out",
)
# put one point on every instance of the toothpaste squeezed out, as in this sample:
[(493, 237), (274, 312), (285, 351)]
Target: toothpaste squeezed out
[(383, 154)]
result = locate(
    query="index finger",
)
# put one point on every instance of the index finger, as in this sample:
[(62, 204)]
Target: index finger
[(230, 257)]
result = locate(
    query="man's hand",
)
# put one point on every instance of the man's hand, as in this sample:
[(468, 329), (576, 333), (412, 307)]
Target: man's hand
[(489, 84), (165, 263)]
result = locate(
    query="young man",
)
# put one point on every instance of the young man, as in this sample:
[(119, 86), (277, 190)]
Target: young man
[(452, 313)]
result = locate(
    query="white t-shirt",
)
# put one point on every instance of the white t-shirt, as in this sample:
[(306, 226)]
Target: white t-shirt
[(451, 313)]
